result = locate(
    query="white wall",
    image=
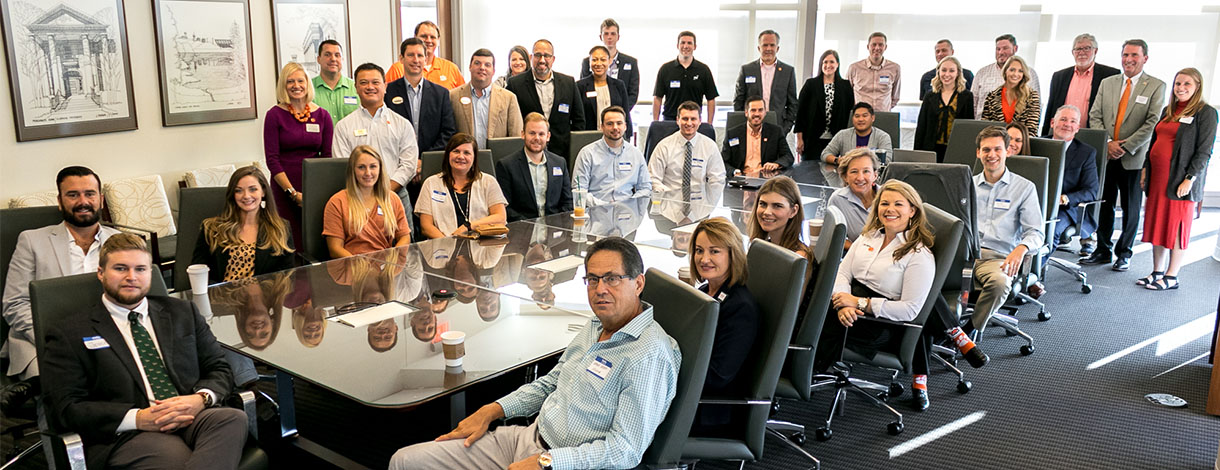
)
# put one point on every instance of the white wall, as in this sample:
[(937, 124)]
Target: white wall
[(27, 167)]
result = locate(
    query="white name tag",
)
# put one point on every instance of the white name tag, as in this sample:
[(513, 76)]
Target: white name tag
[(697, 162), (556, 234), (1187, 120), (734, 142), (751, 79), (313, 128), (96, 342), (465, 100), (600, 368), (379, 211), (442, 78), (563, 107), (721, 297), (350, 100), (675, 84), (1141, 99), (885, 80), (624, 166), (1003, 204), (556, 171), (360, 132), (439, 196), (591, 94), (396, 100), (626, 66)]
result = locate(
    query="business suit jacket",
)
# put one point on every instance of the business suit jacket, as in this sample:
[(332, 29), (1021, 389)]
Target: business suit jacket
[(1192, 148), (562, 123), (927, 125), (811, 110), (90, 391), (513, 174), (783, 91), (1139, 119), (503, 115), (774, 147), (1061, 81), (628, 73), (436, 123), (1080, 183), (41, 253), (618, 97)]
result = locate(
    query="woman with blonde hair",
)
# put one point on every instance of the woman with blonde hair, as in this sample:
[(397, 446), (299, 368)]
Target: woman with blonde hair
[(778, 215), (365, 216), (293, 130), (248, 238), (1173, 176), (1015, 100), (858, 170), (949, 100)]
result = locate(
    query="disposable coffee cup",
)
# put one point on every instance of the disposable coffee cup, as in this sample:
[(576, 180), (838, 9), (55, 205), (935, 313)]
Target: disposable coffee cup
[(198, 273), (454, 376), (815, 228), (684, 274), (454, 345)]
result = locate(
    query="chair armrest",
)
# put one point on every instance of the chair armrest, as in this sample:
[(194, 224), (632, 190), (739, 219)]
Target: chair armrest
[(248, 405), (886, 321), (800, 347), (75, 449), (1089, 203), (733, 401)]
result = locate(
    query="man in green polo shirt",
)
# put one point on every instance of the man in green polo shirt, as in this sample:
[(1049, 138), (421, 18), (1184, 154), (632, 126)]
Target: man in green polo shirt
[(332, 91)]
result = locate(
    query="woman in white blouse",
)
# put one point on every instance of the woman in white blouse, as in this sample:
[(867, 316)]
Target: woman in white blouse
[(460, 197), (886, 274)]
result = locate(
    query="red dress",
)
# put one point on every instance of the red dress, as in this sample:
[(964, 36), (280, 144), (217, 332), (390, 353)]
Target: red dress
[(1166, 221)]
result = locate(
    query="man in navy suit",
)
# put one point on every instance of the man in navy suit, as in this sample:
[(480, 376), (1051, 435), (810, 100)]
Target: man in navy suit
[(755, 146), (551, 94), (422, 102), (1077, 85), (1080, 182), (535, 181)]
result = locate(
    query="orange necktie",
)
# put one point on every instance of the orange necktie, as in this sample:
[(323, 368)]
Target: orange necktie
[(1122, 108)]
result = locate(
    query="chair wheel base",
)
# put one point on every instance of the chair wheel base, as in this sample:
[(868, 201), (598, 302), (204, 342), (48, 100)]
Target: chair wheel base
[(799, 438), (822, 434), (964, 386), (895, 390), (894, 428), (1086, 288), (1043, 316), (1027, 350)]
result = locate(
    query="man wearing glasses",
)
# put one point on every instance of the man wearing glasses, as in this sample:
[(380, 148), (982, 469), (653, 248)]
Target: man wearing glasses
[(551, 94), (599, 406), (1077, 85)]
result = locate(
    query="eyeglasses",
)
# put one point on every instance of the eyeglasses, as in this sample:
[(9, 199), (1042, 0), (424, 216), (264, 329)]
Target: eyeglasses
[(612, 280), (542, 55), (1082, 49)]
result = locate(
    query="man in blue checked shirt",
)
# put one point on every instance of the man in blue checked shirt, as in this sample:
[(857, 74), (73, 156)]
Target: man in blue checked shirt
[(598, 408)]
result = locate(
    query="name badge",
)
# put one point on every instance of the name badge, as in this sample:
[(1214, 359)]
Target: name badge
[(350, 100), (600, 368), (465, 100), (563, 107), (734, 142), (885, 79), (439, 196), (591, 94), (1187, 120), (624, 166), (1003, 204), (721, 297), (313, 127), (396, 100), (696, 162), (751, 79), (442, 78), (96, 342), (556, 171), (622, 217), (675, 84), (379, 211), (360, 132), (556, 234), (626, 66), (1141, 99)]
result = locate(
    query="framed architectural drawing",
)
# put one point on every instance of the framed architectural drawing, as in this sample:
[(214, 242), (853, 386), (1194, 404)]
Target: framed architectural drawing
[(205, 60), (68, 66), (301, 25)]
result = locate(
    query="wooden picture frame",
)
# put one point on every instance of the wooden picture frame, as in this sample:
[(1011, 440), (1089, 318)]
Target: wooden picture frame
[(69, 67), (299, 26), (205, 61)]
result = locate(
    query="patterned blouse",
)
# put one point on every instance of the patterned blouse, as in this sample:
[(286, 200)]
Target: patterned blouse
[(830, 104), (241, 262)]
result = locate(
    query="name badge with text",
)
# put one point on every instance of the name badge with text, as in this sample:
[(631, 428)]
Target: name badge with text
[(626, 66), (379, 211), (1187, 120), (350, 100), (675, 84), (1003, 204), (563, 108), (313, 128), (465, 100), (734, 142), (95, 342), (556, 171), (361, 132), (624, 166), (1141, 100), (439, 196), (396, 100), (751, 79), (591, 94), (600, 368), (885, 79)]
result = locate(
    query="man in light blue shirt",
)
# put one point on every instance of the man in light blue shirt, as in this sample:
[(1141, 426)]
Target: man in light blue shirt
[(601, 404), (1009, 224), (377, 126), (611, 169)]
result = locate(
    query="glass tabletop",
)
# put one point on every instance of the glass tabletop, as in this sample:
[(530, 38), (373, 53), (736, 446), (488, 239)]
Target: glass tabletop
[(369, 327)]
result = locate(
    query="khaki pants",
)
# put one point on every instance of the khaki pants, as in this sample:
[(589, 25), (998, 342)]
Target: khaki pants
[(993, 286), (495, 450)]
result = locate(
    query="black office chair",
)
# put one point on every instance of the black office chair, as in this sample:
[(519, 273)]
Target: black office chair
[(194, 205), (579, 140), (501, 147), (689, 317), (659, 130), (1095, 138), (737, 118), (961, 141), (321, 178), (432, 161), (776, 275), (1055, 151), (60, 300), (891, 123), (913, 156)]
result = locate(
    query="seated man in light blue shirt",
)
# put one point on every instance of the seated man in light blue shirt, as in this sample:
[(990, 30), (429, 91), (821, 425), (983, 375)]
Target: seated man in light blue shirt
[(599, 406), (611, 169), (1009, 224)]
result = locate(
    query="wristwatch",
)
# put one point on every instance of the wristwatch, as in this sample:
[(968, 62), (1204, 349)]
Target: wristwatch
[(207, 399), (861, 303), (291, 191), (544, 461)]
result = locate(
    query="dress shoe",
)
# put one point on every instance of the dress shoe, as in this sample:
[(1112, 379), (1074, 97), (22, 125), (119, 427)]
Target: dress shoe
[(919, 399), (1087, 247), (1097, 258), (1122, 264), (1036, 290)]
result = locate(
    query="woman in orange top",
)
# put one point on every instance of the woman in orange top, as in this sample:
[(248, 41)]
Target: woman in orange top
[(1015, 100), (366, 216)]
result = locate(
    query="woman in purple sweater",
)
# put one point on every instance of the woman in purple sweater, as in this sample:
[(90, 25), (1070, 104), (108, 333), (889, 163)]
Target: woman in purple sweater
[(295, 129)]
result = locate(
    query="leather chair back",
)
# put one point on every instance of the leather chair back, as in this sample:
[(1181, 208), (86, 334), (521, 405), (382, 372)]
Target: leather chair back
[(826, 254), (501, 147), (321, 178), (579, 140), (194, 205), (961, 141), (914, 156), (659, 130), (891, 123)]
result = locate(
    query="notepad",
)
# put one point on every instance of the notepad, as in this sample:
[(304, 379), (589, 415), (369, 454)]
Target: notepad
[(559, 264), (373, 315)]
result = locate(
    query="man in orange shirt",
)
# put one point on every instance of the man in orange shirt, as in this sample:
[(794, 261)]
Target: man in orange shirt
[(436, 70)]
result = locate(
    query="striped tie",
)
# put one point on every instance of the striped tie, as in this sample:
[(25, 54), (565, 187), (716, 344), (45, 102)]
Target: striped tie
[(686, 173), (154, 369)]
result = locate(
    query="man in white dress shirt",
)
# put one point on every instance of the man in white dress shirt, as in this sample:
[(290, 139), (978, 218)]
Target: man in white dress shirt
[(685, 156)]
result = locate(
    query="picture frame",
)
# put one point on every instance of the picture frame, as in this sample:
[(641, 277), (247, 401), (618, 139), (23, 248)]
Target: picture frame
[(299, 26), (69, 67), (205, 61)]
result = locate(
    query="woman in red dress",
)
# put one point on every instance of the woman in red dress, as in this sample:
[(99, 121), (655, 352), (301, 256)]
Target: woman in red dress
[(1173, 176)]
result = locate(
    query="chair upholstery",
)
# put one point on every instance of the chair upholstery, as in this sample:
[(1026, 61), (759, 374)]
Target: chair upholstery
[(431, 162), (737, 118), (689, 317), (1097, 139), (914, 156), (891, 123), (659, 130), (141, 203), (501, 147), (961, 141), (208, 177), (936, 183), (776, 275), (579, 140), (321, 178), (39, 199), (15, 221), (194, 205)]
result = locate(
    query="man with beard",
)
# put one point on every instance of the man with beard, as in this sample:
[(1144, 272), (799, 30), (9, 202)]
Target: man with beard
[(534, 180), (551, 94), (53, 251)]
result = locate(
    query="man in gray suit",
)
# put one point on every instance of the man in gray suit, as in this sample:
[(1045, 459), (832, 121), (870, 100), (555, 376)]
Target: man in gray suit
[(771, 79), (1127, 107), (53, 251), (481, 108)]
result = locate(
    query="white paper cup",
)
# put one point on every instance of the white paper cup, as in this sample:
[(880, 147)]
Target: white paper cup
[(198, 273), (815, 228), (454, 345)]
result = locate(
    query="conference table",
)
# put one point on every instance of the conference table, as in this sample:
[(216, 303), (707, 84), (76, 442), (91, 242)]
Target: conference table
[(368, 327)]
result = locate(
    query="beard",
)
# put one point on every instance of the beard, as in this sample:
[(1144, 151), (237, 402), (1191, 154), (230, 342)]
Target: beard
[(88, 219), (117, 295)]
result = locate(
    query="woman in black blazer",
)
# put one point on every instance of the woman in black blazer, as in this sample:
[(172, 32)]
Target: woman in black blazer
[(588, 87), (948, 100), (824, 108), (1173, 176), (248, 238)]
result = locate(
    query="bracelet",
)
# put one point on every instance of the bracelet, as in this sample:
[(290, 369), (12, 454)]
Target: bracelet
[(291, 191)]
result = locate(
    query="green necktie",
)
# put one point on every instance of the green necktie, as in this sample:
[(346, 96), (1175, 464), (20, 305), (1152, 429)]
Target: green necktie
[(154, 369)]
